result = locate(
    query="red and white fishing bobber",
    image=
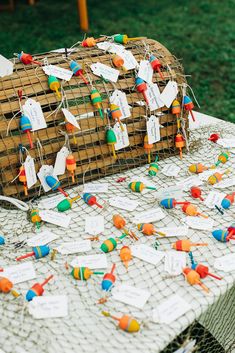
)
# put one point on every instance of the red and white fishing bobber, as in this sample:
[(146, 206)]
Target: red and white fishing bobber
[(156, 65)]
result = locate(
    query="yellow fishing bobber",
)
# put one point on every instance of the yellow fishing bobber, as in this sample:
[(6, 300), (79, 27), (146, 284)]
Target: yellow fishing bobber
[(125, 323), (83, 273)]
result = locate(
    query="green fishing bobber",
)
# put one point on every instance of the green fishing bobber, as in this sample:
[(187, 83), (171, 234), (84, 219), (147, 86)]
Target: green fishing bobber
[(66, 204), (108, 245), (111, 140), (153, 168)]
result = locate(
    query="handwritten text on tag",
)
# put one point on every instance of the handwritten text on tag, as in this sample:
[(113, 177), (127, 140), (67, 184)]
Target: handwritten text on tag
[(33, 111), (145, 71), (20, 273), (43, 172), (30, 172), (51, 202), (170, 170), (199, 223), (74, 247), (130, 295), (105, 71), (94, 225), (49, 306), (121, 135), (152, 215), (60, 162), (91, 261), (174, 262), (153, 129), (58, 72), (96, 188), (169, 93), (147, 253), (124, 203), (59, 219), (42, 238)]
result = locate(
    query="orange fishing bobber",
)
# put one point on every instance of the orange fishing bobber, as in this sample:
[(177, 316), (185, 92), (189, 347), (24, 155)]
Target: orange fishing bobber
[(191, 210), (148, 147), (125, 323), (180, 143), (197, 168), (6, 286), (70, 128), (217, 177), (83, 273), (35, 218), (176, 110), (118, 61), (148, 229), (196, 193), (125, 255), (185, 245), (71, 165), (22, 179), (116, 114), (119, 222), (37, 289), (222, 158), (193, 278), (91, 42)]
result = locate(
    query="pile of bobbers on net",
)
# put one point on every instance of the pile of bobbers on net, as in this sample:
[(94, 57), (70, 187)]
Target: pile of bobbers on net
[(93, 157)]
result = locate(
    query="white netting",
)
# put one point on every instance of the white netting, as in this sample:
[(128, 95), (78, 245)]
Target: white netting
[(85, 329)]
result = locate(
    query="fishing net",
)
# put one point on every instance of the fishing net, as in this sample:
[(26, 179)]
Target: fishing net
[(210, 322)]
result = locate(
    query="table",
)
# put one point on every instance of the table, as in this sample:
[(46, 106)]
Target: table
[(85, 329)]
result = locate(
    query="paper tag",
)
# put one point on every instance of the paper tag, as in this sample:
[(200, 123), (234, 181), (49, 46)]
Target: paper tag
[(42, 238), (169, 93), (111, 47), (187, 347), (225, 183), (180, 231), (227, 142), (91, 261), (51, 202), (119, 98), (145, 71), (57, 218), (107, 72), (94, 225), (189, 182), (199, 223), (74, 247), (60, 162), (214, 198), (33, 111), (124, 203), (130, 295), (175, 191), (147, 253), (170, 170), (225, 263), (122, 136), (153, 129), (30, 172), (170, 309), (153, 96), (6, 66), (20, 273), (130, 61), (43, 172), (45, 307), (149, 216), (96, 188), (70, 118), (58, 72), (174, 262)]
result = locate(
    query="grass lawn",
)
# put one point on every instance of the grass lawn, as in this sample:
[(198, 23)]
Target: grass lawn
[(200, 32)]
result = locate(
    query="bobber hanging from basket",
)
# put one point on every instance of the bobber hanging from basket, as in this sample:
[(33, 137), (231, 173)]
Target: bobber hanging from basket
[(27, 59), (22, 179), (116, 114), (6, 286), (176, 110), (77, 70), (96, 100), (66, 204), (54, 184), (141, 87), (111, 139), (71, 165), (91, 200), (217, 177), (54, 85), (148, 147), (26, 126), (138, 186), (180, 143), (191, 210), (197, 168), (148, 229), (153, 168), (124, 39), (185, 245), (193, 278), (37, 289), (222, 158), (38, 252), (196, 193), (83, 273), (156, 65), (70, 128), (118, 62), (35, 218), (188, 105), (125, 255), (125, 323)]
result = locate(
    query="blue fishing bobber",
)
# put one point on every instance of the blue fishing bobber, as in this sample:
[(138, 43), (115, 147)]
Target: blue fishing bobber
[(220, 235), (37, 289), (226, 203), (38, 252), (108, 280), (2, 240), (90, 200), (26, 126), (168, 203), (54, 184), (77, 70)]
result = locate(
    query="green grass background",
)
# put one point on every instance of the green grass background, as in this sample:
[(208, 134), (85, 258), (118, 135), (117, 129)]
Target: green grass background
[(201, 33)]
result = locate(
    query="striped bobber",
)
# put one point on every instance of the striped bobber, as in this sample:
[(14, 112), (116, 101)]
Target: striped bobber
[(38, 252), (71, 165), (37, 289), (83, 273)]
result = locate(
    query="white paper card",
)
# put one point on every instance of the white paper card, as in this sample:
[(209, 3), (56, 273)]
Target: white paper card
[(174, 262), (43, 172), (175, 191), (153, 96), (189, 182), (147, 253), (20, 273), (111, 47), (51, 202), (91, 261), (225, 183), (107, 72), (149, 216), (94, 225), (199, 223), (124, 203), (227, 142), (42, 238), (30, 172), (180, 231), (45, 307), (70, 118), (96, 188), (60, 162), (130, 62), (170, 309), (187, 347), (121, 135), (214, 198), (6, 66), (130, 295), (74, 247), (145, 71), (169, 93), (225, 263), (119, 98), (153, 129), (58, 72), (170, 170), (57, 218), (33, 111)]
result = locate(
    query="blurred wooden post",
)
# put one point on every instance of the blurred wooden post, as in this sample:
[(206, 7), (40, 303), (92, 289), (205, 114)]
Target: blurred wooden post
[(10, 6), (82, 11), (31, 2)]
